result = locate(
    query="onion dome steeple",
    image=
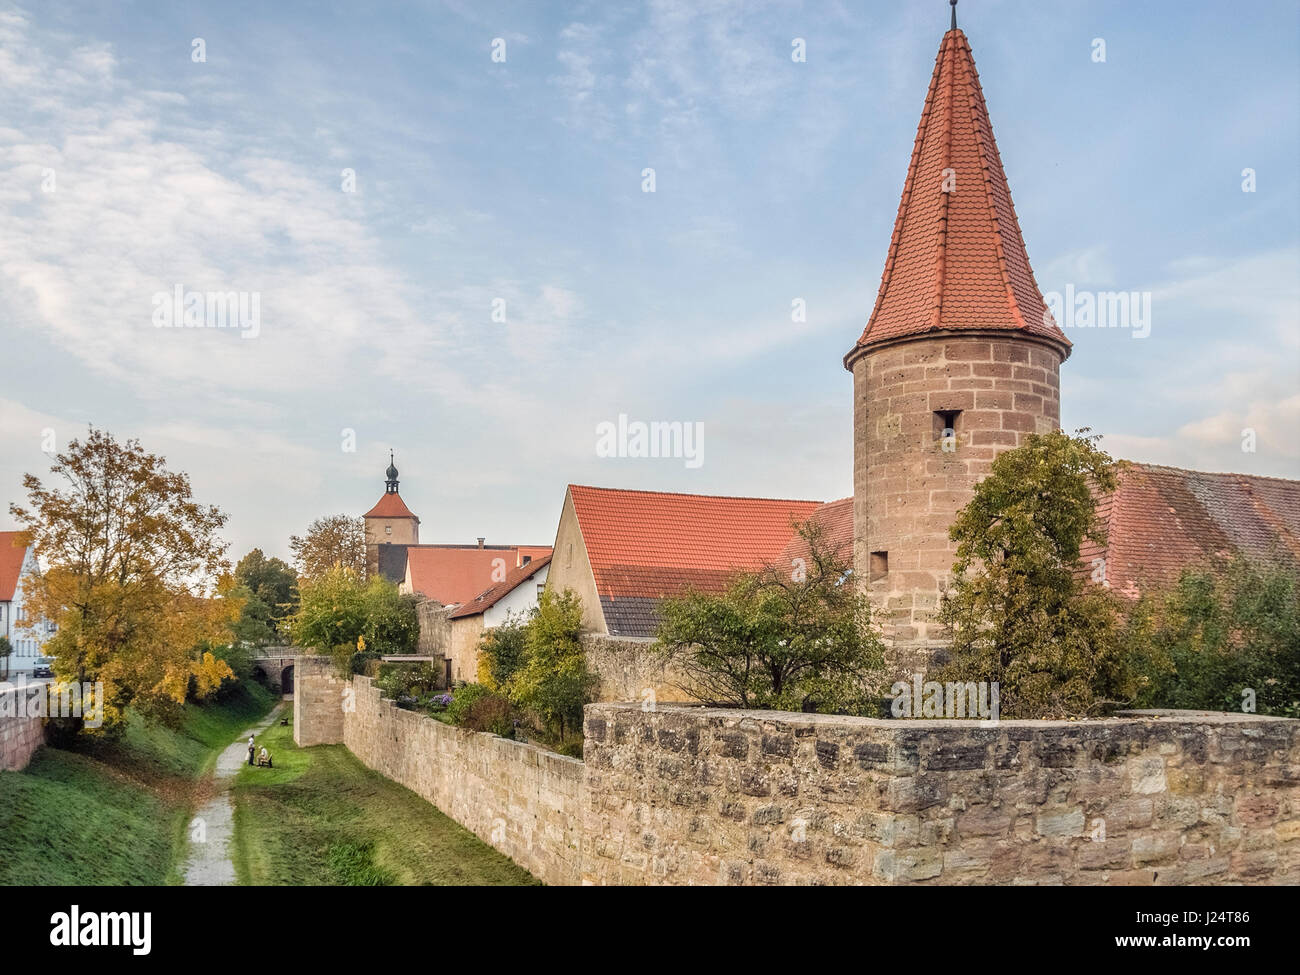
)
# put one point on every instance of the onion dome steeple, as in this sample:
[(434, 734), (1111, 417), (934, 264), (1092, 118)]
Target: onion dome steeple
[(391, 484)]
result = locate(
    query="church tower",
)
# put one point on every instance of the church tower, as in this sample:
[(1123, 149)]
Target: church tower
[(959, 360), (390, 528)]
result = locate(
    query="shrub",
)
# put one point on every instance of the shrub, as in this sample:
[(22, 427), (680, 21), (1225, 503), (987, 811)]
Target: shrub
[(797, 637), (407, 684), (462, 699), (1218, 636), (365, 662), (501, 653), (491, 713), (554, 681)]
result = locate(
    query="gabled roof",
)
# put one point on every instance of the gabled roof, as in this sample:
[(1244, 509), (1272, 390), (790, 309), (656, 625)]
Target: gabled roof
[(645, 545), (1162, 520), (486, 600), (957, 260), (390, 506), (457, 574), (12, 553)]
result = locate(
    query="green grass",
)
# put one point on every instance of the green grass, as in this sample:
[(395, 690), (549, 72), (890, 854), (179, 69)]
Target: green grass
[(320, 817), (114, 812)]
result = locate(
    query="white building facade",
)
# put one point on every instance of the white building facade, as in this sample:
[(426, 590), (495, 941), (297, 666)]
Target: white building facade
[(26, 635)]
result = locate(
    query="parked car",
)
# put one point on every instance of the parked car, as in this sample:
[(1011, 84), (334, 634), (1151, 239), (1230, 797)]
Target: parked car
[(42, 669)]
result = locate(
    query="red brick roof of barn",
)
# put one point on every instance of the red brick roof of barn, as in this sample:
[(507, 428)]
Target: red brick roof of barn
[(646, 545), (390, 506), (957, 259), (1162, 520), (12, 552), (489, 598)]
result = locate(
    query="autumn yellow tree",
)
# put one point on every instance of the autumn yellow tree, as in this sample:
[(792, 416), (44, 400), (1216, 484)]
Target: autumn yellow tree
[(336, 541), (132, 568)]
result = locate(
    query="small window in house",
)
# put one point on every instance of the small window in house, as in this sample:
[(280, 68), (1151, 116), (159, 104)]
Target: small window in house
[(388, 529), (879, 565), (945, 427)]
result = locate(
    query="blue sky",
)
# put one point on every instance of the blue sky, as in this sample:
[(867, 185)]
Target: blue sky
[(522, 181)]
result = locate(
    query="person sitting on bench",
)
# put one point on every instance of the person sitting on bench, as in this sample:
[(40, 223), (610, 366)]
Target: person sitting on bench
[(264, 759)]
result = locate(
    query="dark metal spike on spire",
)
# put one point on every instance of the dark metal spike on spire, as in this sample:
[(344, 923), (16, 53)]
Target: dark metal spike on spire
[(953, 4)]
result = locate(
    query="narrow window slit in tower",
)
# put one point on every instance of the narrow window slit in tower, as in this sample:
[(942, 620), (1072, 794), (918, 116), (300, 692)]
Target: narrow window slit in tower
[(945, 428)]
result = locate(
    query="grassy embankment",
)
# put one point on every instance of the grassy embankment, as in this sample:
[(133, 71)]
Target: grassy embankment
[(115, 812), (321, 817)]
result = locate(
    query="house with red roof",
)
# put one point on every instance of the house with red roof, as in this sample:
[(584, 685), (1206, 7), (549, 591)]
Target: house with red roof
[(624, 551), (26, 635), (514, 597)]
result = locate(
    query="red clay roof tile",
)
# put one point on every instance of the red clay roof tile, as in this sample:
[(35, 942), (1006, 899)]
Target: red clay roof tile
[(457, 574), (1162, 520), (957, 260), (390, 506), (486, 600), (645, 545), (12, 551)]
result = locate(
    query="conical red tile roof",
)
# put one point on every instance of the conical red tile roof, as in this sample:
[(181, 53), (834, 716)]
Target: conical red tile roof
[(390, 506), (956, 260)]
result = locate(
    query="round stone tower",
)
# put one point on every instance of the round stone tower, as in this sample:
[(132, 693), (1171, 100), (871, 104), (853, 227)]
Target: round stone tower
[(960, 359)]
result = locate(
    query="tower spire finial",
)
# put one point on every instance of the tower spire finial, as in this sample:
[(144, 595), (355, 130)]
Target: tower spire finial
[(953, 4), (391, 474)]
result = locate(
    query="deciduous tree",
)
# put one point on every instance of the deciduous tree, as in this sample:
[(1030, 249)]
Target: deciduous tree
[(786, 638), (336, 540), (1021, 610), (132, 566)]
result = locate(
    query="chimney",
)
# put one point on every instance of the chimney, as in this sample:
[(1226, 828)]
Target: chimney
[(480, 541)]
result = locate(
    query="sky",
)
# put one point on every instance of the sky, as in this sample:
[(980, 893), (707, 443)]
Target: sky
[(492, 281)]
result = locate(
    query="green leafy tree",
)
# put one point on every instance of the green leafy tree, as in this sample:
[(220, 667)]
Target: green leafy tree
[(6, 649), (1221, 639), (501, 652), (554, 681), (331, 611), (392, 622), (1021, 611), (784, 638), (268, 588), (337, 611)]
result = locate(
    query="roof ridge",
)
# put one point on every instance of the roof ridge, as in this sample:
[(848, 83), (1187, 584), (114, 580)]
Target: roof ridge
[(681, 494), (1191, 470), (999, 243)]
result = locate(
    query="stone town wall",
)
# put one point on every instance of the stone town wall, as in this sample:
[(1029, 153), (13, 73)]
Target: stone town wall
[(691, 795), (630, 671), (706, 796), (22, 730), (462, 647), (320, 699), (520, 799), (435, 628)]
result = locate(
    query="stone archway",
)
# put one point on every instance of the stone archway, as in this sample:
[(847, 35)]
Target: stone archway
[(286, 681)]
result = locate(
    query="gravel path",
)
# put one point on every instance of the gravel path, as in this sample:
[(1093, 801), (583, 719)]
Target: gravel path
[(209, 863)]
